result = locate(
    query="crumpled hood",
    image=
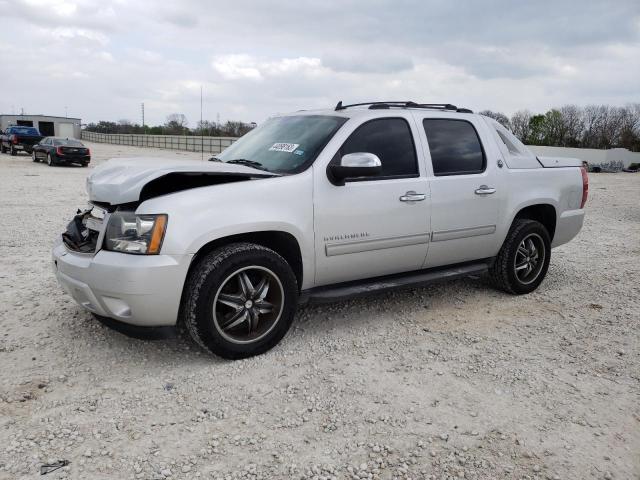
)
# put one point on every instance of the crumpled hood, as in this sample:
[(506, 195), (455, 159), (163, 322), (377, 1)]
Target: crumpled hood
[(122, 180)]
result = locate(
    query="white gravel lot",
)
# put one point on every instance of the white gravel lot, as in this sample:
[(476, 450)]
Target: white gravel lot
[(451, 381)]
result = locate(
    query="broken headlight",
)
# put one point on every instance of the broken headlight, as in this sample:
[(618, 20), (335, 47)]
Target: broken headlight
[(137, 234)]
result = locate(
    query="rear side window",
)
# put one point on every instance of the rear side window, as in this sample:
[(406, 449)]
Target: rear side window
[(391, 140), (455, 147)]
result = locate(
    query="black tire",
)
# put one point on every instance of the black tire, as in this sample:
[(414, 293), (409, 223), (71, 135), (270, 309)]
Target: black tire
[(216, 272), (504, 274), (50, 161), (2, 149), (34, 157), (14, 152)]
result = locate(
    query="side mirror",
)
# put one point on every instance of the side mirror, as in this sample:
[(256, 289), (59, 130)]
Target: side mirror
[(353, 165)]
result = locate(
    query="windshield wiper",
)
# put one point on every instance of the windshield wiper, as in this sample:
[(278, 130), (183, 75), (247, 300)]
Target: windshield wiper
[(248, 163), (214, 159)]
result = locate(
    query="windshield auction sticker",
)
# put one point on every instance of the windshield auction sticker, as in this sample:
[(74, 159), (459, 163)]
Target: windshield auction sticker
[(284, 147)]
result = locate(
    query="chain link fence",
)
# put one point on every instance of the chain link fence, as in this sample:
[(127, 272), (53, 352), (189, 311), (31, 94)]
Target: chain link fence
[(170, 142)]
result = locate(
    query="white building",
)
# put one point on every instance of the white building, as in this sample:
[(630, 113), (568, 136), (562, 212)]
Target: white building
[(593, 156), (64, 127)]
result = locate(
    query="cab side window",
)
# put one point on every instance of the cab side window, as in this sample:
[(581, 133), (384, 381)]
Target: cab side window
[(391, 140), (455, 147)]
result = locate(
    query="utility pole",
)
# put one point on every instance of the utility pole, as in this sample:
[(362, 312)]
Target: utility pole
[(65, 112), (201, 137), (142, 105)]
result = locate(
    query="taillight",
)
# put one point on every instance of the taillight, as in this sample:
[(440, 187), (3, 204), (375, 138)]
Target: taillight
[(14, 139), (59, 151), (585, 186), (88, 152)]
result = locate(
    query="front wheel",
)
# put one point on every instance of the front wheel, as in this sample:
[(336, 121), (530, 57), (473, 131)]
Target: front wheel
[(523, 260), (240, 300)]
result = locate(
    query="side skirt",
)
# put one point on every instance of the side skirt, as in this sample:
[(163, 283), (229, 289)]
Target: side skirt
[(369, 286)]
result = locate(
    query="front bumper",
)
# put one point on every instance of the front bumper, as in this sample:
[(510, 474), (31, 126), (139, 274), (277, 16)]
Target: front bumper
[(140, 290)]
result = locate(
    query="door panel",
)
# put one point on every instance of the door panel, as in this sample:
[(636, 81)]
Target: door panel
[(373, 227), (464, 207), (362, 229)]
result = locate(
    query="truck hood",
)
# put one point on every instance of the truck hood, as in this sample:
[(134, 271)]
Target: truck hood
[(127, 180)]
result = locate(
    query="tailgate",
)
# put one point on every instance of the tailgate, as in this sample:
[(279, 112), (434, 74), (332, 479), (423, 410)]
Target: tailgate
[(28, 140), (557, 162)]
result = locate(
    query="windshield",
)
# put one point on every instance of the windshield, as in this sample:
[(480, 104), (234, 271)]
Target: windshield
[(284, 144), (24, 131)]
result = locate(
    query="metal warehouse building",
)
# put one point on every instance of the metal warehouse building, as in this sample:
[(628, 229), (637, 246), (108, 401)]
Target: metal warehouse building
[(49, 126)]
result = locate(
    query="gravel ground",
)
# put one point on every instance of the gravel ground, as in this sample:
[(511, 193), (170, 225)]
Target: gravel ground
[(451, 381)]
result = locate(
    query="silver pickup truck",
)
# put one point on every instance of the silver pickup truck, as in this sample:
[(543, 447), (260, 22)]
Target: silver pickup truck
[(316, 206)]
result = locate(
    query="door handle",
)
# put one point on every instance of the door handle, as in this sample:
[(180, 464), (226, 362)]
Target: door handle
[(484, 190), (412, 196)]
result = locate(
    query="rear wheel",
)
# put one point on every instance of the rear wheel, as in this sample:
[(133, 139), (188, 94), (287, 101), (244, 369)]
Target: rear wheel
[(14, 152), (50, 160), (240, 300), (523, 260), (2, 149), (34, 157)]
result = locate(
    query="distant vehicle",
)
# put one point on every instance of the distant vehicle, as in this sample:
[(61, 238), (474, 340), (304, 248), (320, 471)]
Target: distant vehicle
[(57, 151), (19, 138)]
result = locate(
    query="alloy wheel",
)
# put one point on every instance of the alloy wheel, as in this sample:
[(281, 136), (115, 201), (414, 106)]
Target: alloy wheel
[(248, 304), (529, 258)]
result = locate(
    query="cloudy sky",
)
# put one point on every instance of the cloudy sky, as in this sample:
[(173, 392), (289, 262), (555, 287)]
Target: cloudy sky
[(100, 59)]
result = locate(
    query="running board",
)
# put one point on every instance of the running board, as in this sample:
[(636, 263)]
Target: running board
[(347, 290)]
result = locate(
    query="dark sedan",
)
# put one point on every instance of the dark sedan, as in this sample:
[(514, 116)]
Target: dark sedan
[(58, 151)]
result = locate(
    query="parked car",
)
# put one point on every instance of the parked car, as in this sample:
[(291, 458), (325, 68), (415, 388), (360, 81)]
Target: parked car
[(18, 138), (314, 207), (57, 151)]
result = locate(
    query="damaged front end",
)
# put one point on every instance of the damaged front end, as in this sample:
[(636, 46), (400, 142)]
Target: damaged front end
[(84, 232)]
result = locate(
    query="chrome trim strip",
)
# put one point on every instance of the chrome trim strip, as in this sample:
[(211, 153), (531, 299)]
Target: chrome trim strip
[(332, 249), (444, 235)]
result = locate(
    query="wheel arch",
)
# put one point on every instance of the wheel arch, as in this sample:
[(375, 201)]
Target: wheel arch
[(283, 243), (544, 213)]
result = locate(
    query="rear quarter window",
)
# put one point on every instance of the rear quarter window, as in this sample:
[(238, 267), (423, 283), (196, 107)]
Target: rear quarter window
[(455, 147)]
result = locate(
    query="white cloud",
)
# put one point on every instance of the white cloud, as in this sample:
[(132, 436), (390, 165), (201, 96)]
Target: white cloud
[(243, 66), (257, 58), (234, 67)]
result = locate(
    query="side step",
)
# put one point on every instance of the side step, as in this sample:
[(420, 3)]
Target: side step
[(347, 290)]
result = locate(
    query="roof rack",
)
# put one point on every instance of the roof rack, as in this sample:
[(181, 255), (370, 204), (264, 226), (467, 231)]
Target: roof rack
[(404, 104)]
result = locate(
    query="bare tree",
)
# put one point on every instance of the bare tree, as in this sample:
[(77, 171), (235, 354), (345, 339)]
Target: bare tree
[(499, 117), (520, 124), (176, 124), (591, 119), (573, 125)]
